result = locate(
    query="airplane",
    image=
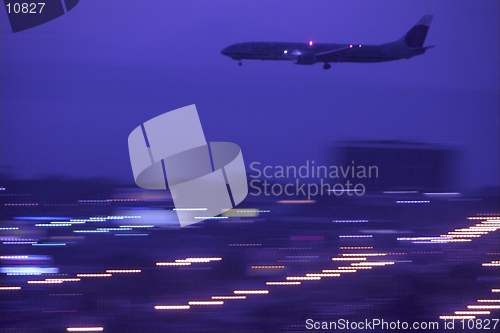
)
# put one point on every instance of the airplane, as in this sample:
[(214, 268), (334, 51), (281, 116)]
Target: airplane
[(410, 45)]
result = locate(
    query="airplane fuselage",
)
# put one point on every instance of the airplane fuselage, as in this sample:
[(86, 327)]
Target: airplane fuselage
[(290, 51)]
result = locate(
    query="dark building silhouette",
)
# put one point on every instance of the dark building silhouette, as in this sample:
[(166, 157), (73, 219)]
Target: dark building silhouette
[(402, 165)]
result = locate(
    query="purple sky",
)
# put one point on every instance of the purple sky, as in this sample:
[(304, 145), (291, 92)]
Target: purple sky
[(74, 88)]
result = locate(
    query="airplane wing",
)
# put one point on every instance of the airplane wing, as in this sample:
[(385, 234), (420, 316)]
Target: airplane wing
[(333, 54)]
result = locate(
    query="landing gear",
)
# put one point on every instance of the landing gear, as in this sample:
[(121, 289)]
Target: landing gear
[(327, 66), (240, 63)]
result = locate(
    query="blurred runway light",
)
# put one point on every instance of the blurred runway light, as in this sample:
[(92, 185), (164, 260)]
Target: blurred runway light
[(84, 329), (44, 282), (419, 238), (13, 257), (199, 259), (492, 263), (283, 283), (296, 201), (495, 290), (132, 235), (363, 254), (123, 271), (356, 247), (307, 238), (323, 274), (251, 292), (92, 201), (206, 302), (451, 240), (488, 300), (64, 222), (472, 312), (350, 221), (114, 229), (304, 278), (172, 307), (268, 267), (412, 201), (483, 218), (18, 242), (21, 204), (228, 297), (483, 306), (302, 257), (173, 263), (10, 288), (94, 275), (443, 194), (373, 263), (463, 235), (349, 259), (29, 270), (456, 317), (339, 271), (355, 236), (53, 225)]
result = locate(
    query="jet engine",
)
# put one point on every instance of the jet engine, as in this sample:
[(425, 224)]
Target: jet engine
[(305, 59)]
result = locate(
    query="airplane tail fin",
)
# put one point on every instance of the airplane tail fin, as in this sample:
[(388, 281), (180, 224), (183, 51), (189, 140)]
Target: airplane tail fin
[(416, 36)]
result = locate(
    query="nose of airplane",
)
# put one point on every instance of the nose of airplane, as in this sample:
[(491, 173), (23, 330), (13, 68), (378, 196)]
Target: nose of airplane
[(225, 51)]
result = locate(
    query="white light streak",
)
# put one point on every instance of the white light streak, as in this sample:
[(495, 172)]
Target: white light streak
[(323, 274), (373, 263), (456, 317), (10, 288), (339, 271), (303, 278), (483, 306), (472, 312), (173, 263), (364, 254), (206, 302), (84, 329), (248, 292), (44, 282), (172, 307), (348, 259), (199, 259), (123, 271)]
